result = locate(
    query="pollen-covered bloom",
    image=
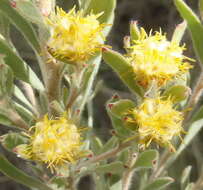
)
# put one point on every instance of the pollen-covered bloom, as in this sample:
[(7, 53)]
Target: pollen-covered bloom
[(74, 36), (156, 121), (55, 142), (154, 58)]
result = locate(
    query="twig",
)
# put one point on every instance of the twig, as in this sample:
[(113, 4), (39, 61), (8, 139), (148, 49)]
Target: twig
[(127, 176), (194, 98), (105, 155), (72, 98)]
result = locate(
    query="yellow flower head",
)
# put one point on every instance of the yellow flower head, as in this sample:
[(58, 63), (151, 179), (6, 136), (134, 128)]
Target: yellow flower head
[(153, 57), (53, 142), (74, 36), (157, 121)]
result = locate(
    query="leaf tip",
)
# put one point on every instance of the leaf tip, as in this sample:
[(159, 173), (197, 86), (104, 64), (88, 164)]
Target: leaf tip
[(104, 49)]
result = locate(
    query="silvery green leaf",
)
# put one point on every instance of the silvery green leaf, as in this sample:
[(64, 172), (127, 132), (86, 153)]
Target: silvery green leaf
[(113, 168), (146, 159), (159, 183)]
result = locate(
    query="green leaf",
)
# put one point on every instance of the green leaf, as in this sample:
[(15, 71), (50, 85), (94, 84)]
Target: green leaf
[(185, 178), (123, 156), (114, 168), (191, 133), (159, 183), (6, 81), (110, 144), (32, 13), (5, 26), (117, 186), (25, 114), (177, 93), (19, 94), (96, 61), (190, 186), (96, 145), (198, 114), (34, 80), (29, 11), (5, 120), (105, 6), (22, 24), (84, 4), (179, 32), (15, 62), (134, 30), (194, 129), (43, 102), (146, 159), (124, 70), (120, 107), (19, 176), (118, 124), (11, 140), (194, 26)]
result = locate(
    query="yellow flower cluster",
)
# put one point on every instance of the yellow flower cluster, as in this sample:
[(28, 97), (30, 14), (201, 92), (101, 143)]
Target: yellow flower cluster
[(154, 58), (74, 36), (156, 121), (53, 142)]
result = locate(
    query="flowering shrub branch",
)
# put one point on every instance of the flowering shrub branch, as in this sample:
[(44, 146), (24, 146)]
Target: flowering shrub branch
[(46, 110)]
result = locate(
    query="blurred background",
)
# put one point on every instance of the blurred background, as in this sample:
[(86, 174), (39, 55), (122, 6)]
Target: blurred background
[(150, 14)]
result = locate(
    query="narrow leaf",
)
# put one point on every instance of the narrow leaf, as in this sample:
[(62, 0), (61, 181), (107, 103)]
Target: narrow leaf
[(22, 24), (34, 80), (6, 81), (111, 143), (13, 61), (198, 114), (194, 26), (19, 94), (190, 186), (179, 32), (124, 70), (114, 168), (96, 145), (5, 120), (160, 183), (11, 140), (24, 113), (29, 11), (19, 176), (191, 133), (105, 6), (134, 30), (185, 178)]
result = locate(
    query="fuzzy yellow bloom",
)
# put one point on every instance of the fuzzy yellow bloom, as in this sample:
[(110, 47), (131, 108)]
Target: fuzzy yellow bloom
[(156, 121), (74, 36), (55, 142), (154, 58)]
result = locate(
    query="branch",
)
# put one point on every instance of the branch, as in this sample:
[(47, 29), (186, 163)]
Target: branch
[(105, 155), (127, 176)]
